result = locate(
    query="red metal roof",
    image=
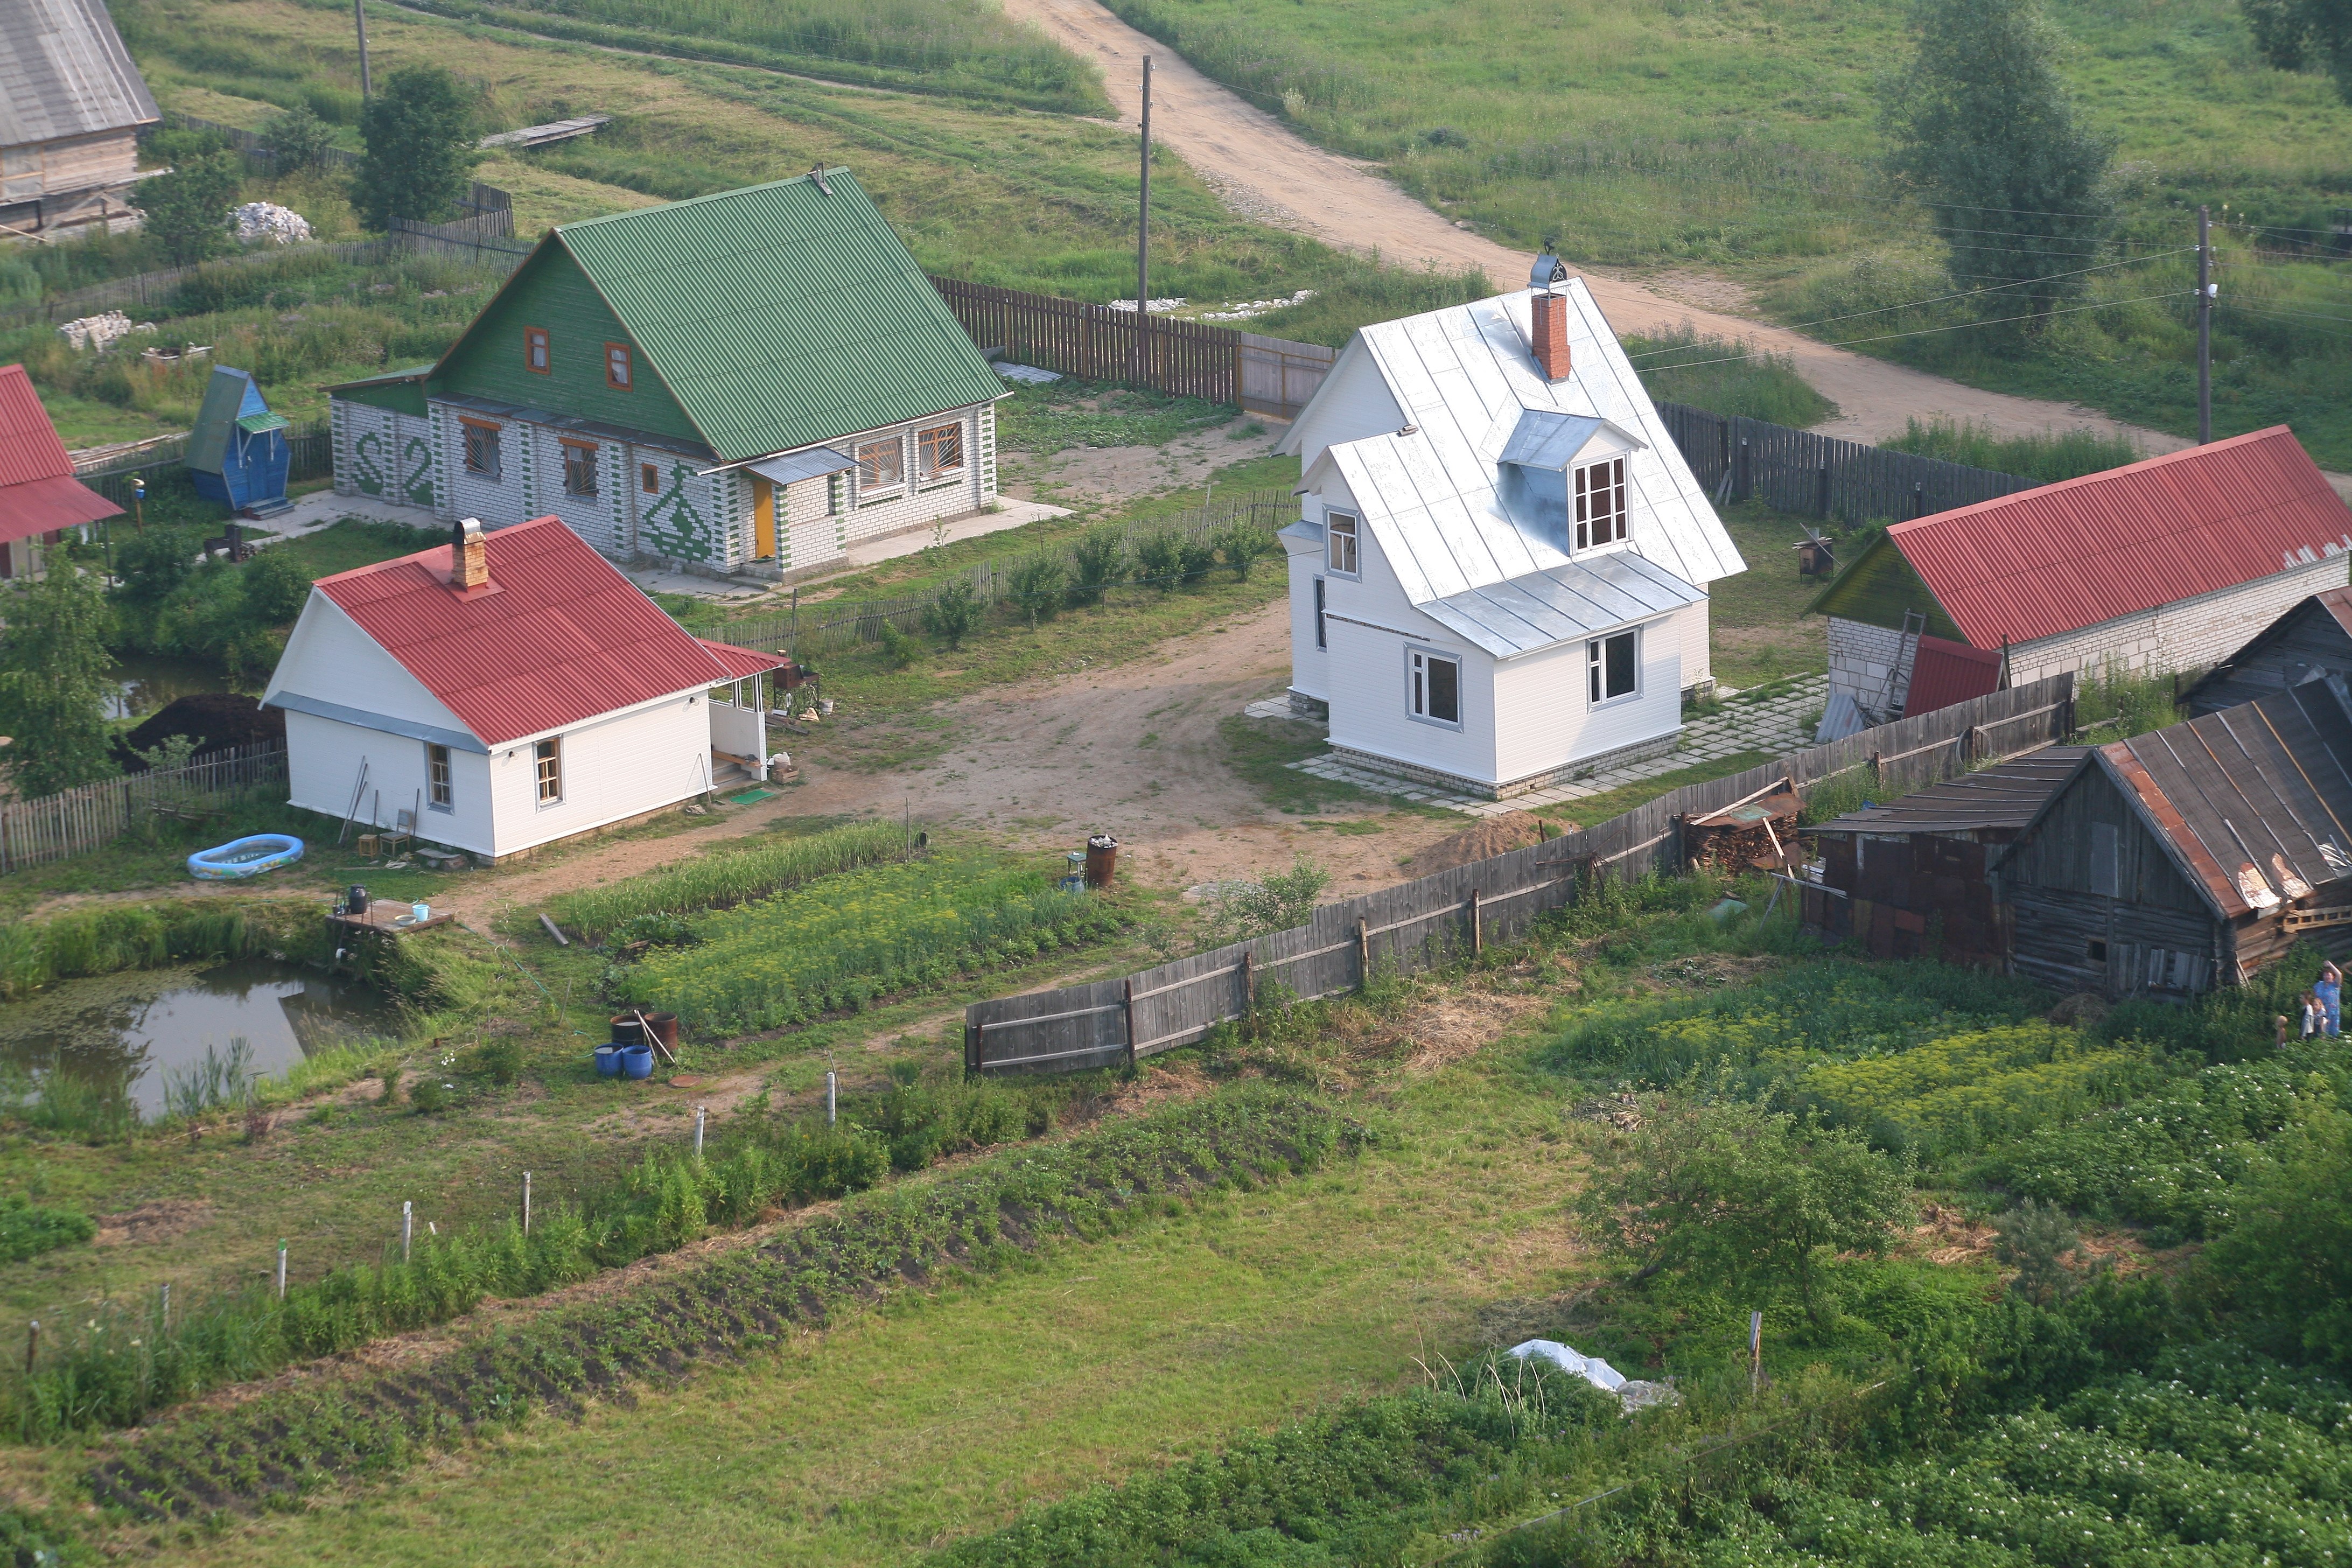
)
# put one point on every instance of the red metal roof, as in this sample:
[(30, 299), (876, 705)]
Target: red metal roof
[(39, 506), (558, 637), (2073, 554), (1944, 672), (37, 490)]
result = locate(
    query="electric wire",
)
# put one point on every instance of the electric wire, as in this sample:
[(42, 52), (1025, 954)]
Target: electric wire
[(1955, 327)]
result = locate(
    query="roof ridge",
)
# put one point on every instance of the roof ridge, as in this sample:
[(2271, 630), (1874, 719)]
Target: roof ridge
[(417, 556), (1918, 524), (577, 223)]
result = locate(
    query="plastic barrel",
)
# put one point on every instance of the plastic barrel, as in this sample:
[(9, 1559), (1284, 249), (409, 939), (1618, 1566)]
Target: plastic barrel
[(637, 1061), (608, 1061)]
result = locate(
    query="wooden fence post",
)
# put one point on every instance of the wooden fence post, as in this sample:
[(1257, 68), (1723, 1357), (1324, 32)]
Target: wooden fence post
[(1126, 1014), (1249, 986), (1363, 954), (1477, 926)]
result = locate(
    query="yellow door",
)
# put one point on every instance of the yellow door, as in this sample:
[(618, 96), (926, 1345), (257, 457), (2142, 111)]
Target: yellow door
[(764, 520)]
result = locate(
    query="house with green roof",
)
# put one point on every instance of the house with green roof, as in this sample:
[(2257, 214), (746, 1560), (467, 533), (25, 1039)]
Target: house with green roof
[(749, 381)]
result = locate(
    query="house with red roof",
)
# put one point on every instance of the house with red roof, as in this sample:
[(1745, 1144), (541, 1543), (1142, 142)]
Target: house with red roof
[(39, 497), (2158, 566), (506, 691)]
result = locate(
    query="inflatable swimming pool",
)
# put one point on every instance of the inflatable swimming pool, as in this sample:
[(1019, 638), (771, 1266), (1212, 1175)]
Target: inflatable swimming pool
[(245, 857)]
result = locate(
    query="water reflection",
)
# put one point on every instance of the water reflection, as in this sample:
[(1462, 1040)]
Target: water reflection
[(131, 1030), (143, 685)]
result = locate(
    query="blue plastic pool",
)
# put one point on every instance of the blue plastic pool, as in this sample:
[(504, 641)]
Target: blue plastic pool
[(248, 857)]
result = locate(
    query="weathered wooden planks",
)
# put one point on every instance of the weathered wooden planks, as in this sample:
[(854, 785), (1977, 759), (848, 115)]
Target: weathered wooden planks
[(35, 832), (1822, 475)]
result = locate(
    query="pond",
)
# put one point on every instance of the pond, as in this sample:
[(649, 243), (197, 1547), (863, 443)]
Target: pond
[(143, 683), (131, 1031)]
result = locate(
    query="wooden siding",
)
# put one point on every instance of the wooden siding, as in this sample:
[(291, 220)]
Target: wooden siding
[(1878, 587), (1911, 895), (551, 291), (2307, 636)]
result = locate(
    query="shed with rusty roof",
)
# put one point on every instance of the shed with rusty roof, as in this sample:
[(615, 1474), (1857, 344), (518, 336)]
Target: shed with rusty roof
[(39, 497)]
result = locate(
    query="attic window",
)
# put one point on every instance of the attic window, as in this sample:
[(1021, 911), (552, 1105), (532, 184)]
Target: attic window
[(1340, 531), (1600, 503), (534, 350), (620, 369)]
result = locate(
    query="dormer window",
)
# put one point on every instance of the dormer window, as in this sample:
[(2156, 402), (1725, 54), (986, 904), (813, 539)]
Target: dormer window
[(1600, 503), (1340, 533)]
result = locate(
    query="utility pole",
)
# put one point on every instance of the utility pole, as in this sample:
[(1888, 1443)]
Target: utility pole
[(1143, 239), (359, 14), (2204, 326)]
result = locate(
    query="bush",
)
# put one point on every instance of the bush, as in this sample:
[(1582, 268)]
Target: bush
[(427, 1095), (298, 139), (1037, 587), (952, 612), (1161, 559), (1243, 546), (500, 1059), (274, 587), (28, 1229), (1099, 559), (898, 649)]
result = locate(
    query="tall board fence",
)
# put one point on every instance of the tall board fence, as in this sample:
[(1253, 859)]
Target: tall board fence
[(311, 455), (1823, 476), (1420, 924), (56, 827)]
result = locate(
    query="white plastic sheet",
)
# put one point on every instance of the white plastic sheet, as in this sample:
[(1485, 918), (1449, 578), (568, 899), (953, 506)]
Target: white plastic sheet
[(1593, 1369)]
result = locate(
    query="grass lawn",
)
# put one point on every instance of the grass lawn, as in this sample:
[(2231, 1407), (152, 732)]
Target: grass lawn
[(1753, 620), (1601, 807), (354, 542)]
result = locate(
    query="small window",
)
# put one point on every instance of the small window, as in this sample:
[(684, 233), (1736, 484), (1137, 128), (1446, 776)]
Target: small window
[(649, 478), (1320, 640), (1600, 503), (881, 466), (939, 451), (579, 469), (1340, 534), (1435, 692), (534, 350), (2096, 950), (436, 777), (1612, 670), (620, 367), (549, 755), (482, 448)]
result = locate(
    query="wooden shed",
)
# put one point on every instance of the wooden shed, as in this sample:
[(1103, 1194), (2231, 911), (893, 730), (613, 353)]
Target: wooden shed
[(1911, 878), (237, 453), (2310, 642), (71, 106), (2191, 857)]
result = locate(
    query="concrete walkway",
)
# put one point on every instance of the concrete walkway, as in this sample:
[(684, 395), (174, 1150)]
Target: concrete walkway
[(1775, 725)]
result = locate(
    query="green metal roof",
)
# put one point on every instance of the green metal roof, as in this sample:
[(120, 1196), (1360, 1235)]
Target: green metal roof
[(779, 315), (261, 423)]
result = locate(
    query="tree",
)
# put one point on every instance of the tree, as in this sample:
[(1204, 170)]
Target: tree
[(1736, 1196), (153, 565), (2294, 34), (419, 135), (298, 139), (1981, 129), (1244, 544), (953, 612), (187, 209), (1101, 560), (56, 680)]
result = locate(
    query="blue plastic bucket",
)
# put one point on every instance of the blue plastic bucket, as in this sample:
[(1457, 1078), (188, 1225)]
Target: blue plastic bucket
[(608, 1061), (637, 1061)]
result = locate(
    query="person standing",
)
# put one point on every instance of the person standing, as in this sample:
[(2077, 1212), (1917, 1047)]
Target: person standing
[(2330, 989)]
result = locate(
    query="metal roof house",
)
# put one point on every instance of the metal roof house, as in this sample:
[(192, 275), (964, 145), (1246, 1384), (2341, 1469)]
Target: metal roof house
[(71, 104), (2156, 566), (237, 453), (2310, 642), (1499, 578), (753, 380), (39, 497), (504, 691)]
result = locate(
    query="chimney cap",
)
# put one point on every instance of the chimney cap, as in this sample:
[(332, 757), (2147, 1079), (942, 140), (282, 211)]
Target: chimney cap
[(1548, 270)]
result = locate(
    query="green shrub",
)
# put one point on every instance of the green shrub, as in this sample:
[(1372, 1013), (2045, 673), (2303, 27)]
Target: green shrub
[(500, 1059), (28, 1229), (1098, 561), (1037, 587), (898, 649), (428, 1096), (2045, 459), (952, 612), (1159, 560)]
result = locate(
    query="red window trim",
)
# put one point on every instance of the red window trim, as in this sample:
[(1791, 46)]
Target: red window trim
[(479, 424), (544, 344), (576, 441), (629, 358)]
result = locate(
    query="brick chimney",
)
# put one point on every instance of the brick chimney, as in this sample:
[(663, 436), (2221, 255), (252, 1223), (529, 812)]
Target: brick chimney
[(469, 557), (1550, 332)]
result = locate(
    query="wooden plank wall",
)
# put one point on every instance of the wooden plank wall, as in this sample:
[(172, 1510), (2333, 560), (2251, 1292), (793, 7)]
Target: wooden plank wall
[(1420, 924), (35, 832), (1822, 475)]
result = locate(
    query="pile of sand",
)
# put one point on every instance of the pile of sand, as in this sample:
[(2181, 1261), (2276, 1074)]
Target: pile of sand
[(1489, 838)]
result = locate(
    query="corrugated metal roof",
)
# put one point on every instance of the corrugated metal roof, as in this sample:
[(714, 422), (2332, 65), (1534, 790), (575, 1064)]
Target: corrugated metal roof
[(1560, 604), (2005, 795), (812, 464), (742, 663), (2318, 634), (564, 639), (29, 447), (38, 506), (64, 72), (1944, 672), (779, 316), (2088, 549)]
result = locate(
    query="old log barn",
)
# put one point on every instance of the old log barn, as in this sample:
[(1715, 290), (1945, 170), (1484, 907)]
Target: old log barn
[(1910, 879), (71, 106), (2191, 857), (2310, 642), (2156, 566), (746, 382)]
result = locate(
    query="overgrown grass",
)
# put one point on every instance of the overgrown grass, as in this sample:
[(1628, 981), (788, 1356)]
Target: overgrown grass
[(2049, 458), (106, 938), (1725, 378), (723, 879)]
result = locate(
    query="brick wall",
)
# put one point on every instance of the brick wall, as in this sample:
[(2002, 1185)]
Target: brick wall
[(2188, 634), (1860, 656)]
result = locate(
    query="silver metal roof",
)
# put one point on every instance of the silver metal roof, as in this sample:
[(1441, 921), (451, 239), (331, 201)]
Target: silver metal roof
[(64, 72), (1589, 596), (812, 464), (1543, 439)]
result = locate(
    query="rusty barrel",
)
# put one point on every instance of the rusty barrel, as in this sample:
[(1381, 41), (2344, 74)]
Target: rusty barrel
[(1102, 859)]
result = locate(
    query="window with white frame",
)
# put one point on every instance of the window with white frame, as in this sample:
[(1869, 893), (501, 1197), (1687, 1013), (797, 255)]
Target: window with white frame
[(1433, 690), (1340, 531), (881, 466), (1599, 503), (439, 791), (548, 757), (1612, 669)]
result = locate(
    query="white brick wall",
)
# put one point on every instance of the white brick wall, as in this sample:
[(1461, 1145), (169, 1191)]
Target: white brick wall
[(2188, 634), (1860, 656), (824, 517)]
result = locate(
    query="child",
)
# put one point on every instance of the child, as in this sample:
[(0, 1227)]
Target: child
[(2314, 1017)]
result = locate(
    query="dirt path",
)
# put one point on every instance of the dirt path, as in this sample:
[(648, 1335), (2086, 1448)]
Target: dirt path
[(1267, 172)]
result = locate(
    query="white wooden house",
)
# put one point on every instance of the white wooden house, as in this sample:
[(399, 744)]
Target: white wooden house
[(1500, 580), (506, 691)]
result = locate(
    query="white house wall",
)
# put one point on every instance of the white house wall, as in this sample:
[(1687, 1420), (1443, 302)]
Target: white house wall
[(813, 531), (323, 757), (615, 766), (339, 663), (1368, 709), (603, 519), (1310, 665), (1553, 722), (1353, 403), (382, 454)]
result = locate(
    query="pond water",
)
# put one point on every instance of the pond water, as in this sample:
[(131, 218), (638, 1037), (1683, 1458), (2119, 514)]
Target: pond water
[(144, 684), (132, 1030)]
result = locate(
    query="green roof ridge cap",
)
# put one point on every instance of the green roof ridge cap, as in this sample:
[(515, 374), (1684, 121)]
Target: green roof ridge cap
[(842, 170)]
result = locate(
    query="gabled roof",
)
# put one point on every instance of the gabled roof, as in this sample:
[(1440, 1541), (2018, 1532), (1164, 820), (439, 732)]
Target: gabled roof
[(562, 639), (1586, 597), (64, 72), (230, 397), (779, 315), (39, 491), (2087, 550), (2310, 641), (1468, 387)]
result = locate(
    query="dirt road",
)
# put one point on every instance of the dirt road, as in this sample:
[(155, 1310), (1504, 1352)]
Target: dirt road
[(1267, 171)]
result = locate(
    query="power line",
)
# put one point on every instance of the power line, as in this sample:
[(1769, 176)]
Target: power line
[(2297, 315), (1958, 327)]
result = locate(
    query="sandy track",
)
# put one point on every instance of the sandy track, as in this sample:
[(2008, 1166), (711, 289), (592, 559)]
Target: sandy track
[(1263, 169)]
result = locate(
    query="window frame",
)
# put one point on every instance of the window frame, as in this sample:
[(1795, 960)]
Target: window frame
[(1593, 529), (1420, 689), (547, 770), (625, 356), (649, 478), (1322, 637), (881, 490), (1596, 668), (493, 434), (1333, 534), (440, 778), (588, 451), (536, 344), (924, 443)]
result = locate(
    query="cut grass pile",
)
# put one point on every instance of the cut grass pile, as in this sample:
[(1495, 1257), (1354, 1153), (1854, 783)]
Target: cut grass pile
[(727, 878)]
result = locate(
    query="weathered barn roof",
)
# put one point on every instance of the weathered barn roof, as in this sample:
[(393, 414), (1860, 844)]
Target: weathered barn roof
[(39, 491), (2087, 550), (64, 72), (778, 316), (1472, 397), (563, 637), (2310, 641), (2004, 796)]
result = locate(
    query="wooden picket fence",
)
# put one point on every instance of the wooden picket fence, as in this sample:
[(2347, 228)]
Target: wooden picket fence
[(57, 827), (1424, 923), (1822, 475)]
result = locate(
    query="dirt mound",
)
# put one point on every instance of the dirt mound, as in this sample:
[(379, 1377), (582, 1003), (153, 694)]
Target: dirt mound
[(214, 720), (1492, 836), (159, 1221)]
